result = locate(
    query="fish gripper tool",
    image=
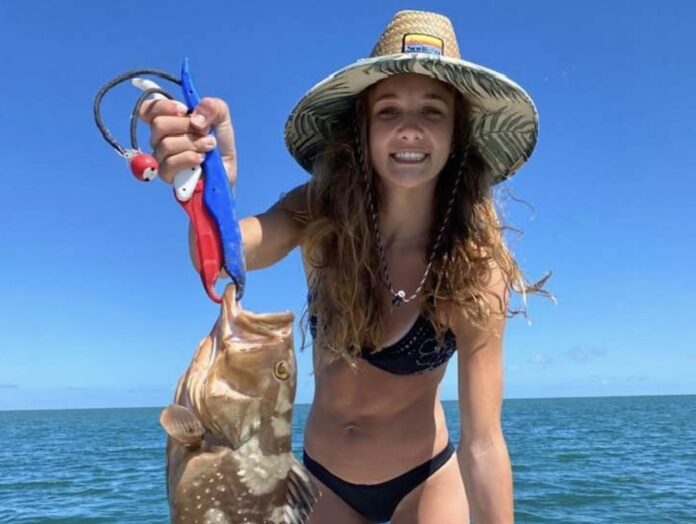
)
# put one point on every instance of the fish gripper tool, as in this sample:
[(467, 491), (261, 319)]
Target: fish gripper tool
[(204, 192)]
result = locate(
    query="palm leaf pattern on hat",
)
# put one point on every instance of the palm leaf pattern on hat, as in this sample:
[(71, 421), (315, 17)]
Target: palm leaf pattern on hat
[(314, 123), (392, 67), (478, 82), (506, 139), (506, 135)]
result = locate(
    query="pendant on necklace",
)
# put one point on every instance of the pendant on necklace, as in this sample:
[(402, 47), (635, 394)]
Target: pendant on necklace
[(398, 298)]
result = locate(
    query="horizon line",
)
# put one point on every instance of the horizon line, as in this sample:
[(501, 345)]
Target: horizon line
[(574, 397)]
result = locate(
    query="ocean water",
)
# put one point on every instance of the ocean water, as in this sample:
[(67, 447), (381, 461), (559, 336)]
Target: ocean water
[(591, 460)]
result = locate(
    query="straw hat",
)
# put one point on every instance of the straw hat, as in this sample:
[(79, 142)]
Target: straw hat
[(504, 119)]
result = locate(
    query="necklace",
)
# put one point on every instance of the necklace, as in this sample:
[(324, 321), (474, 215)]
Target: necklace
[(399, 296)]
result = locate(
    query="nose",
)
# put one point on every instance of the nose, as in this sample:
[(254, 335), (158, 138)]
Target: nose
[(410, 128)]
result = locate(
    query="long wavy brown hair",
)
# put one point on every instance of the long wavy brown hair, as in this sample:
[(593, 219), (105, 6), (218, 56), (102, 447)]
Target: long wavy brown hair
[(340, 246)]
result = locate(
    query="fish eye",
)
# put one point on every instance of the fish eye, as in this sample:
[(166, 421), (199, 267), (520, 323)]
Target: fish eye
[(282, 370)]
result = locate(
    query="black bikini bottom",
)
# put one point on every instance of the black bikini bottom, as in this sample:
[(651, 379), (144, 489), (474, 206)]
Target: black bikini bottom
[(377, 502)]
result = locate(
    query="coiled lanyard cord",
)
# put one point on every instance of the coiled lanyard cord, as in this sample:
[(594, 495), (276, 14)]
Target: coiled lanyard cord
[(129, 75)]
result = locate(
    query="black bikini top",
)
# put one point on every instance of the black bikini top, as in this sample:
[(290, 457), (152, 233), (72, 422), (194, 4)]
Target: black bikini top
[(415, 353)]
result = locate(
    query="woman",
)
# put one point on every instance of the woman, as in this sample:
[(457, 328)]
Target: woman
[(405, 263)]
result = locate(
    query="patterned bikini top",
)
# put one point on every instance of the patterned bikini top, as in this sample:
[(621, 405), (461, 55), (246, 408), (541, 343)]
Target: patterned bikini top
[(416, 352)]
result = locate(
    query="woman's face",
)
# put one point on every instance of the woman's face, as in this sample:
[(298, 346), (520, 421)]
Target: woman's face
[(410, 129)]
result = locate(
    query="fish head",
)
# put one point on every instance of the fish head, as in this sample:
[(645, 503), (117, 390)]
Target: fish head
[(251, 383)]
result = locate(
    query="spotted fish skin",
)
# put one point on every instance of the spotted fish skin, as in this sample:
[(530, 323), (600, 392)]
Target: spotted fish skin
[(229, 444)]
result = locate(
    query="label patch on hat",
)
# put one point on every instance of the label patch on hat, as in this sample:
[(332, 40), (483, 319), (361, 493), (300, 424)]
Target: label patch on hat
[(419, 43)]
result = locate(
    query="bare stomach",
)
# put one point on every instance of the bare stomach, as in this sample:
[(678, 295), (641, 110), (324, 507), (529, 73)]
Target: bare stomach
[(371, 426)]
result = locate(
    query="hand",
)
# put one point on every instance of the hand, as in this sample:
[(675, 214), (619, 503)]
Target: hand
[(180, 141)]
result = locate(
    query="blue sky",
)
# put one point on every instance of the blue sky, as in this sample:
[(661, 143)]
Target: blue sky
[(99, 306)]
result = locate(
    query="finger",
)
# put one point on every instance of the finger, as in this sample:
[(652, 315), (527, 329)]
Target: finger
[(214, 113), (172, 165), (152, 108), (173, 145), (164, 126), (210, 112)]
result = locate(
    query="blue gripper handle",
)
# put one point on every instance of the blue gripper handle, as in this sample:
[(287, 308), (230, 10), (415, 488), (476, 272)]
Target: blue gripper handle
[(218, 197)]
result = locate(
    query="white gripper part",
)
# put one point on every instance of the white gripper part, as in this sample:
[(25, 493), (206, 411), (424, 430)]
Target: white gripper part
[(184, 181)]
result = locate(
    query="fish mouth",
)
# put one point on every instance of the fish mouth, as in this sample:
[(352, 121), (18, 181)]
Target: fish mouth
[(248, 331)]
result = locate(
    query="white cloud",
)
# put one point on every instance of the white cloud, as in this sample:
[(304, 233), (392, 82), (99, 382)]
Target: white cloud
[(585, 354), (603, 379), (540, 360)]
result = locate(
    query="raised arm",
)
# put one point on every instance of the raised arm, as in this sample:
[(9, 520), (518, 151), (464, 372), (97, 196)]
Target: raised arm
[(270, 236)]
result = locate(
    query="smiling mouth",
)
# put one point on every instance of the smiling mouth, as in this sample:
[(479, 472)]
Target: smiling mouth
[(409, 157)]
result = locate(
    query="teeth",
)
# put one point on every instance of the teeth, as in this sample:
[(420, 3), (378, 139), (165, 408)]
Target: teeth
[(410, 156)]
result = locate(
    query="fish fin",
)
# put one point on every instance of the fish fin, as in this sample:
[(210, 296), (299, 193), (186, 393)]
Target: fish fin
[(301, 496), (182, 425)]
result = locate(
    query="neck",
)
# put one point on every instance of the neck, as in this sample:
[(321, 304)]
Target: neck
[(406, 215)]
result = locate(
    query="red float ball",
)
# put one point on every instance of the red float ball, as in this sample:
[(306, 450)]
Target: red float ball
[(144, 167)]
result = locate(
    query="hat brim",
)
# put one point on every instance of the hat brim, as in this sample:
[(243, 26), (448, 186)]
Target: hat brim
[(504, 118)]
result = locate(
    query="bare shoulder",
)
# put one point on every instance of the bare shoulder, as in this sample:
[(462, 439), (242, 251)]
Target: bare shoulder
[(294, 202), (496, 289), (495, 292)]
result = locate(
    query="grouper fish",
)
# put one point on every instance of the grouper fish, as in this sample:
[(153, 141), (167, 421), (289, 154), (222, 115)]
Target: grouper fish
[(229, 450)]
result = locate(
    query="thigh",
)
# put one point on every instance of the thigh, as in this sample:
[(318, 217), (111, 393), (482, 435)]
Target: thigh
[(332, 509), (441, 499)]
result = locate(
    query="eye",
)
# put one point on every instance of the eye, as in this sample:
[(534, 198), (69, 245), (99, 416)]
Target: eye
[(433, 112), (281, 370), (387, 112)]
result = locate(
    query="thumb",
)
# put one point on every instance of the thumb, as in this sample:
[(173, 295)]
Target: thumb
[(214, 114)]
